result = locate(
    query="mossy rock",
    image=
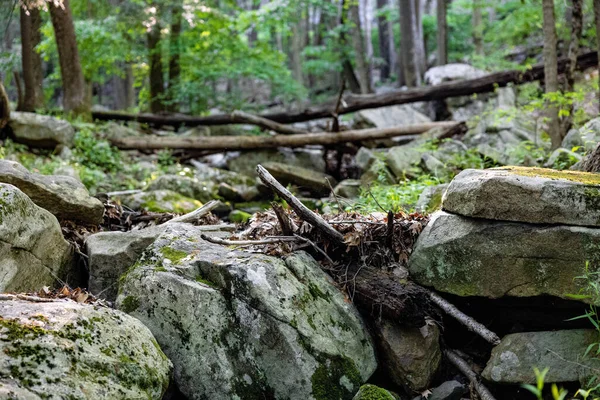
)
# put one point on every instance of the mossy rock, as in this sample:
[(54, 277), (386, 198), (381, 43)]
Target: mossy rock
[(162, 201), (372, 392)]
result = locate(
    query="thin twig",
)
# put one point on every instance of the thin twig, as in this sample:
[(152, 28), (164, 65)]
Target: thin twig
[(226, 242), (197, 213), (463, 367), (317, 248)]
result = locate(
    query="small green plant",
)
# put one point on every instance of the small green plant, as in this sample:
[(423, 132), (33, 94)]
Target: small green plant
[(95, 153), (537, 390), (165, 158)]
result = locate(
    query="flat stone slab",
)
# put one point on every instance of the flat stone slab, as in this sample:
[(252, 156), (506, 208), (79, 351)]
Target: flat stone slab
[(479, 257), (63, 196), (535, 195), (40, 130), (514, 359)]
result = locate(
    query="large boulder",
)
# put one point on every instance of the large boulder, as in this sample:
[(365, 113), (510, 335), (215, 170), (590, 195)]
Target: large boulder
[(203, 191), (466, 256), (535, 195), (33, 252), (67, 350), (315, 182), (451, 72), (246, 162), (245, 325), (514, 359), (40, 130), (63, 196), (388, 117), (430, 199), (165, 201), (372, 392)]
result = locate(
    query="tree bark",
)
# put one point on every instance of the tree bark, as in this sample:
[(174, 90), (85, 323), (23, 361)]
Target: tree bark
[(73, 83), (408, 39), (222, 143), (129, 89), (352, 103), (33, 74), (4, 107), (478, 27), (384, 42), (597, 22), (157, 85), (576, 28), (362, 65), (442, 33), (174, 52), (551, 71)]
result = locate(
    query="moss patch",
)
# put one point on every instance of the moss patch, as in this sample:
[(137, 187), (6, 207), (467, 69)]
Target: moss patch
[(174, 255), (586, 178), (372, 392), (130, 303), (327, 378)]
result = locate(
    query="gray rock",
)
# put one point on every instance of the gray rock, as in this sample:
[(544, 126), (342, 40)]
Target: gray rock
[(431, 198), (562, 159), (315, 182), (434, 166), (365, 157), (40, 130), (465, 256), (404, 160), (206, 173), (115, 130), (161, 201), (449, 390), (451, 72), (388, 117), (33, 252), (239, 324), (348, 188), (411, 356), (203, 191), (587, 136), (67, 350), (514, 359), (372, 392), (521, 194), (246, 162), (63, 196)]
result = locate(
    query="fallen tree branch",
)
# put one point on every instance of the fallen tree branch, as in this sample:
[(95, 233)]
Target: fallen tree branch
[(352, 103), (268, 142), (243, 117), (226, 242), (464, 319), (464, 368), (302, 211), (197, 213)]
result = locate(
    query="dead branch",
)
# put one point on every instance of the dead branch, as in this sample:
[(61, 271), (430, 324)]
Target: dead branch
[(287, 226), (199, 212), (464, 319), (243, 117), (464, 368), (268, 142), (226, 242), (302, 211)]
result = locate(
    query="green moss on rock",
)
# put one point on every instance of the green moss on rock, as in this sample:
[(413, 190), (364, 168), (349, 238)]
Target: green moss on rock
[(586, 178), (327, 380), (372, 392), (130, 304), (175, 256)]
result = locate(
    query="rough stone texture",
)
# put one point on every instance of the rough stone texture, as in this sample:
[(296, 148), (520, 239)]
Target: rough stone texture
[(246, 162), (514, 359), (66, 350), (185, 186), (110, 254), (587, 136), (63, 196), (410, 356), (161, 201), (249, 325), (466, 256), (404, 160), (313, 181), (534, 195), (430, 199), (33, 252), (450, 390), (348, 188), (372, 392), (40, 130), (388, 117), (451, 72)]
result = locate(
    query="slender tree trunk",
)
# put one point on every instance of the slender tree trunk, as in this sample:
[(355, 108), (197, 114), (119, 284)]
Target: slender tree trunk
[(597, 21), (347, 69), (442, 33), (478, 27), (157, 85), (129, 89), (367, 25), (551, 70), (408, 37), (73, 83), (420, 50), (358, 42), (384, 41), (174, 52), (576, 29), (296, 56), (33, 75)]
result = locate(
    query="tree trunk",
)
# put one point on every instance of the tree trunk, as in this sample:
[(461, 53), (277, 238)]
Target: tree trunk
[(4, 107), (129, 89), (358, 43), (597, 21), (157, 85), (408, 39), (297, 47), (174, 52), (384, 42), (33, 75), (551, 71), (478, 27), (576, 28), (420, 51), (442, 33), (347, 69), (73, 83)]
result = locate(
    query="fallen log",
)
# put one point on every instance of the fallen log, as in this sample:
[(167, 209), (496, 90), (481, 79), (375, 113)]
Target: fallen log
[(243, 117), (351, 103), (227, 143)]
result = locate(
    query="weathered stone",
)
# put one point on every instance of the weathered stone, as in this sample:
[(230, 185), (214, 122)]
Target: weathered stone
[(63, 196), (372, 392), (411, 356), (532, 195), (514, 359), (203, 191), (388, 117), (348, 188), (430, 199), (161, 201), (246, 162), (450, 390), (562, 159), (465, 256), (404, 160), (118, 131), (451, 72), (33, 252), (67, 350), (40, 130), (239, 324), (313, 181)]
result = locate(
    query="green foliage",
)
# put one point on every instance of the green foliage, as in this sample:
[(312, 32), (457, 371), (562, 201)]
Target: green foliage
[(94, 153), (557, 394)]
